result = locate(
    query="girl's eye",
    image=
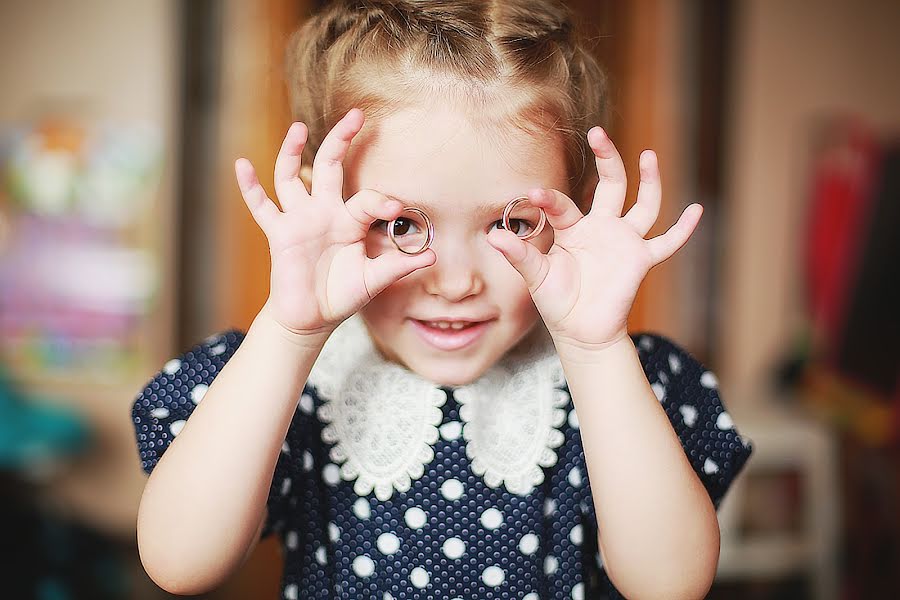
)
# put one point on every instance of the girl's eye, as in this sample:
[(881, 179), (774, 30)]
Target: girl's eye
[(402, 226), (520, 227)]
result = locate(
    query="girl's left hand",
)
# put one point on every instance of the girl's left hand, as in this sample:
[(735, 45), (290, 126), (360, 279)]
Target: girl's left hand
[(585, 285)]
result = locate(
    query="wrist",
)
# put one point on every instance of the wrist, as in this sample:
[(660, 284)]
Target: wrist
[(306, 340), (576, 352)]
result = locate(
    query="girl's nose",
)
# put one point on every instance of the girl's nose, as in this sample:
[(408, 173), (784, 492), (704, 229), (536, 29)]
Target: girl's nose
[(455, 276)]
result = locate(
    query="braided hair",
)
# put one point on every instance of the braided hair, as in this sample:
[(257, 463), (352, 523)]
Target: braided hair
[(520, 62)]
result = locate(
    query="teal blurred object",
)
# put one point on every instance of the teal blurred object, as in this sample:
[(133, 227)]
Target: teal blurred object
[(33, 431)]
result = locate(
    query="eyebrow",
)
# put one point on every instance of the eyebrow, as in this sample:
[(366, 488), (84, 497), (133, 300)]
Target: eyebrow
[(483, 209)]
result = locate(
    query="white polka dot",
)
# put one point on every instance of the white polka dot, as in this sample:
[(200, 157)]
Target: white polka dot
[(387, 596), (291, 540), (674, 364), (334, 532), (321, 557), (307, 461), (550, 565), (531, 596), (493, 576), (710, 467), (415, 517), (549, 506), (451, 430), (708, 380), (387, 543), (217, 349), (159, 413), (578, 591), (290, 591), (452, 489), (689, 414), (285, 448), (575, 477), (599, 559), (285, 486), (171, 367), (528, 544), (663, 378), (723, 421), (198, 392), (659, 390), (491, 518), (573, 419), (576, 535), (646, 343), (177, 426), (361, 508), (332, 474), (453, 547), (306, 403), (363, 566), (419, 577)]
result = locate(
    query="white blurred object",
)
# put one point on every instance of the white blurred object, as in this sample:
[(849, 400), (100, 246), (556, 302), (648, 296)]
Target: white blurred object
[(118, 177), (95, 275), (786, 442)]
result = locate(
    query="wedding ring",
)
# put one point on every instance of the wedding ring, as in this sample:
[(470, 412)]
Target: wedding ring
[(509, 208), (429, 232)]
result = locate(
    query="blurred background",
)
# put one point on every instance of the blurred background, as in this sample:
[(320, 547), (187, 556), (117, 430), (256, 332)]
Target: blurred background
[(124, 240)]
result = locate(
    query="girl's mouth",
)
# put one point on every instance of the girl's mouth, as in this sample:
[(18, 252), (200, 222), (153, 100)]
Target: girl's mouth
[(444, 335)]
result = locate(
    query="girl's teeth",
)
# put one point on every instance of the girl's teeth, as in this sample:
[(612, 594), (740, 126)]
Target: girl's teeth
[(445, 325)]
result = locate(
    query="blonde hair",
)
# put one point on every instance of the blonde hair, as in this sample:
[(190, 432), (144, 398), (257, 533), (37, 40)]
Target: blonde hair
[(521, 61)]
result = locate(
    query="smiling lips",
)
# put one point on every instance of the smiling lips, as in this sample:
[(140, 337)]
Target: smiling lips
[(448, 334)]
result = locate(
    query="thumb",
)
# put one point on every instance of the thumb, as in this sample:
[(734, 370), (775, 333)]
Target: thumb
[(524, 257), (382, 271)]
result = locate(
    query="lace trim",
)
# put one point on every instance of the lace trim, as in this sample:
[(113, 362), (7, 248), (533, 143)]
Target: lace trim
[(383, 419), (511, 419)]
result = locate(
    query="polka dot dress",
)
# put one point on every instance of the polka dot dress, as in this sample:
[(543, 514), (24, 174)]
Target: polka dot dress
[(450, 534)]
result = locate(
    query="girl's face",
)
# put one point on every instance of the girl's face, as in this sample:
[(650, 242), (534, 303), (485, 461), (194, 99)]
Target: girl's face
[(435, 159)]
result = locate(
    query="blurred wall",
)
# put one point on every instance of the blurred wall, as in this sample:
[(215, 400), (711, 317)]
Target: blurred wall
[(95, 61), (794, 64)]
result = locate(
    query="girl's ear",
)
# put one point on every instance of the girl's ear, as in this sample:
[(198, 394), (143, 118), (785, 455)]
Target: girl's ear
[(306, 177)]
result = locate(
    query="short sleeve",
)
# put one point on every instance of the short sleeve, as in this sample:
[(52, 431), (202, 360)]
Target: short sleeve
[(689, 393), (166, 402)]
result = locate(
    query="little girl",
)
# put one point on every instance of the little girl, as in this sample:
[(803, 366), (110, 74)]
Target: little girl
[(472, 420)]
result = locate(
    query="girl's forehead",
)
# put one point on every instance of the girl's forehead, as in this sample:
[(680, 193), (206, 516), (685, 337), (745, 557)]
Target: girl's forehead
[(429, 159)]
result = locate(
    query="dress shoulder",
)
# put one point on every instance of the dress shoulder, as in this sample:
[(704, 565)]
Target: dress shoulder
[(689, 393), (164, 404)]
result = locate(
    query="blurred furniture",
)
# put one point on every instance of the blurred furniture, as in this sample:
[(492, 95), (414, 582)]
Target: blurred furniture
[(787, 446)]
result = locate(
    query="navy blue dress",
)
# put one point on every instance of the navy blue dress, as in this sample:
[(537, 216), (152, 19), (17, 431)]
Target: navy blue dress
[(390, 487)]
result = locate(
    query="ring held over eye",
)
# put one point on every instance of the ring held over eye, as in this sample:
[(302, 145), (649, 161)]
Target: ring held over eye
[(419, 240)]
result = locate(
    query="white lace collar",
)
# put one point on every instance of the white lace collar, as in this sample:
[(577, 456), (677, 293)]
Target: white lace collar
[(383, 419)]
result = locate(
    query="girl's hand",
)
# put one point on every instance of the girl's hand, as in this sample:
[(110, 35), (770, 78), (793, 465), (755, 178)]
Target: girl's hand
[(321, 274), (585, 285)]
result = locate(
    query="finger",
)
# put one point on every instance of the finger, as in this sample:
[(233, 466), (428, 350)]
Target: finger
[(524, 257), (261, 207), (367, 206), (387, 268), (328, 168), (645, 211), (609, 197), (287, 165), (665, 245), (561, 210)]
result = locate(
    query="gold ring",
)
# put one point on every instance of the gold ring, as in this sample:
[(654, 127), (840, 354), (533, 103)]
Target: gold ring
[(429, 236), (509, 208)]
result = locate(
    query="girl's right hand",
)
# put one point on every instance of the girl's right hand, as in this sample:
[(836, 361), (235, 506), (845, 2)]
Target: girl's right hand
[(321, 274)]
